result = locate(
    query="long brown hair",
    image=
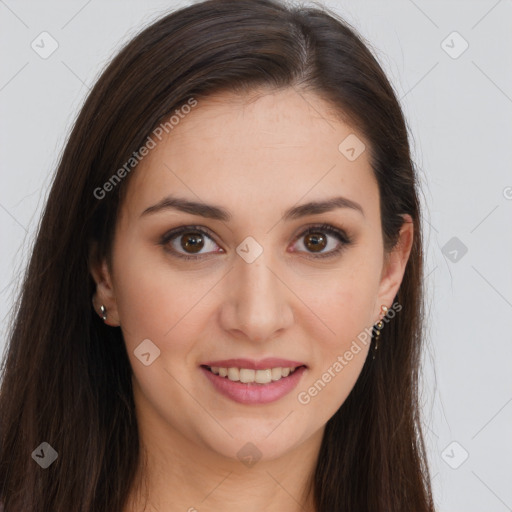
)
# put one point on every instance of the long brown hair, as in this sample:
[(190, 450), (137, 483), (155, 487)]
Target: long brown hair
[(66, 376)]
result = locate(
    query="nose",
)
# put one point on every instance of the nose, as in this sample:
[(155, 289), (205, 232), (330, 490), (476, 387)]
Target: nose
[(257, 304)]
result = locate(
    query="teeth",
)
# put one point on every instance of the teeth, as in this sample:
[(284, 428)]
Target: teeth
[(233, 374), (247, 375), (277, 373), (263, 376)]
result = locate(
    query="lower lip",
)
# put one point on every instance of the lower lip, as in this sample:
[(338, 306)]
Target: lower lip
[(252, 393)]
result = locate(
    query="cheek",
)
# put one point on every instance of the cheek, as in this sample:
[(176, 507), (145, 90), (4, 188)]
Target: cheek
[(340, 353), (343, 304), (158, 302)]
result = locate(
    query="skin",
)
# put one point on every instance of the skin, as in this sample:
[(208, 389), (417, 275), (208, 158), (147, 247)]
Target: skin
[(255, 157)]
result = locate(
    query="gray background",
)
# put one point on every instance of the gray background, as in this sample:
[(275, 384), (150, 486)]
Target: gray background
[(459, 108)]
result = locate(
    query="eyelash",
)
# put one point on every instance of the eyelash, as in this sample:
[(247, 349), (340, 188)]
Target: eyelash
[(344, 239)]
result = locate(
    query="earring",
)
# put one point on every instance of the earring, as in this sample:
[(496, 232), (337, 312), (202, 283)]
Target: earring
[(103, 310), (378, 327)]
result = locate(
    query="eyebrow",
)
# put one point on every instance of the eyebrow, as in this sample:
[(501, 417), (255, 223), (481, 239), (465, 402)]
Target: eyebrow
[(218, 213)]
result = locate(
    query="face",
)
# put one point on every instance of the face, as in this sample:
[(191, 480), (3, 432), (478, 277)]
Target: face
[(255, 283)]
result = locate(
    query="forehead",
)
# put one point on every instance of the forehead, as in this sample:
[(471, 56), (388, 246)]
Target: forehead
[(258, 150)]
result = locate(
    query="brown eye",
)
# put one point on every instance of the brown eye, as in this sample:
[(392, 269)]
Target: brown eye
[(192, 242), (324, 241), (315, 241)]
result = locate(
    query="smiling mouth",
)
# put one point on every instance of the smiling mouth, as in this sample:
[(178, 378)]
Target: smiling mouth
[(250, 376)]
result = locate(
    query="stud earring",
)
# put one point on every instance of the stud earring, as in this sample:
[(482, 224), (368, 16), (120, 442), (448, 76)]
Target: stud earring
[(103, 310), (378, 328)]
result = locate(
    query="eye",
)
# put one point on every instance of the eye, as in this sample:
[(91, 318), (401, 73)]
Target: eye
[(190, 239), (316, 238)]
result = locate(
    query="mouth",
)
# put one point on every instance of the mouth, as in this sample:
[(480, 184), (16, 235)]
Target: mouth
[(250, 386), (253, 376)]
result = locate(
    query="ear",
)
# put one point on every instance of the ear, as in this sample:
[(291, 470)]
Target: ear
[(104, 294), (394, 267)]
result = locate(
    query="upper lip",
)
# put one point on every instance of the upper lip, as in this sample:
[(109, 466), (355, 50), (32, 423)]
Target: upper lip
[(251, 364)]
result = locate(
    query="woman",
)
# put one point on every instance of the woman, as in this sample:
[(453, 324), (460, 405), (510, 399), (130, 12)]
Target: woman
[(223, 308)]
